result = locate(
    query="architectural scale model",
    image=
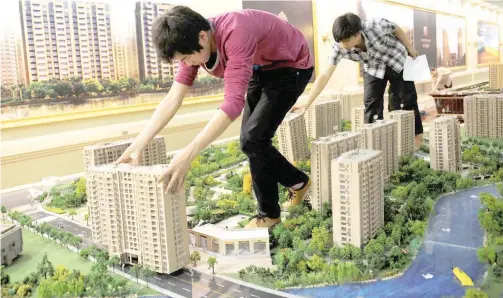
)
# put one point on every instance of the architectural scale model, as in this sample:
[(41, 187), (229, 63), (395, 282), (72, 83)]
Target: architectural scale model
[(357, 118), (101, 154), (346, 105), (358, 196), (483, 115), (12, 242), (496, 76), (226, 242), (323, 151), (133, 217), (292, 138), (323, 117), (382, 135), (406, 131), (445, 144)]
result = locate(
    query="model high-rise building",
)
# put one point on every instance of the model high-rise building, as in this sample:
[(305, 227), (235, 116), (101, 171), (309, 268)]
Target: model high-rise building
[(357, 118), (346, 106), (406, 131), (101, 154), (323, 117), (484, 115), (358, 196), (133, 217), (445, 145), (323, 151), (66, 39), (149, 63), (292, 138), (382, 135), (496, 76)]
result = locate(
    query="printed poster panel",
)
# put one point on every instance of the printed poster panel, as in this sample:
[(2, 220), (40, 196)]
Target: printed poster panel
[(488, 43), (298, 13), (451, 41)]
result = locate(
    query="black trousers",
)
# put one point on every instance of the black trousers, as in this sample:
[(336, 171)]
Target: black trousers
[(271, 94), (401, 92)]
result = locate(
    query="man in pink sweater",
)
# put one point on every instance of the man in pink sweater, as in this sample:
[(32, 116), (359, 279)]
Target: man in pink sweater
[(257, 54)]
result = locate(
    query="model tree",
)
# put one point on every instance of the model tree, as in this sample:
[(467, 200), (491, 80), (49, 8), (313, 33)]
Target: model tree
[(72, 213), (86, 218), (147, 272), (136, 270), (211, 263), (114, 261), (195, 257), (45, 267), (247, 183), (4, 210)]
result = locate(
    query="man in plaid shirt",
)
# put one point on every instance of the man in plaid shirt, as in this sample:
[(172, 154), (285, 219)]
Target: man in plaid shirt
[(382, 47)]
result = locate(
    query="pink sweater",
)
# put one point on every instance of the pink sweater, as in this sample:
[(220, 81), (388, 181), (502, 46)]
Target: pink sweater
[(244, 39)]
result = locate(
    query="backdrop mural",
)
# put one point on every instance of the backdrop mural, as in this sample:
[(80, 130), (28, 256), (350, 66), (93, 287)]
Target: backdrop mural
[(488, 43), (297, 13), (451, 44)]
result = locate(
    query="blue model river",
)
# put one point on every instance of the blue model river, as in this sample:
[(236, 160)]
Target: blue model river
[(452, 239)]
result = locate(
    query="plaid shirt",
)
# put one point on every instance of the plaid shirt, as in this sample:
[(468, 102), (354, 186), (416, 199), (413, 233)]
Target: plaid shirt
[(383, 48)]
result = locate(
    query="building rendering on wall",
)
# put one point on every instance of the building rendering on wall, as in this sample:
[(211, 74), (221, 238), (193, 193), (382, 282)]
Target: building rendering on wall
[(323, 151), (292, 138), (357, 118), (133, 217), (445, 145), (484, 115), (358, 196), (149, 63), (12, 242), (101, 154), (227, 242), (11, 55), (382, 135), (496, 76), (323, 117), (406, 131), (65, 39)]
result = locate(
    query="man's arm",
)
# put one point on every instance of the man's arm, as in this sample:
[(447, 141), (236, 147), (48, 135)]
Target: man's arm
[(217, 125), (164, 112), (319, 84), (400, 34)]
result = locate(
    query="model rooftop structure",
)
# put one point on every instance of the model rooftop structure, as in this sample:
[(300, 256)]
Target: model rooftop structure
[(105, 153)]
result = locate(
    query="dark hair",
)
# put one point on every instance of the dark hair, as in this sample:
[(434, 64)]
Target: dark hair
[(346, 26), (177, 31)]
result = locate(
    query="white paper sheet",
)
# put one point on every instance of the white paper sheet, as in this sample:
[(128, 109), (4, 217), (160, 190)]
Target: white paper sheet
[(416, 69)]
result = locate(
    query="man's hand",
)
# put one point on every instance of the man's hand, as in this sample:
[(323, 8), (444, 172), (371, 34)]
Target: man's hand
[(299, 109), (412, 52), (131, 155), (175, 174)]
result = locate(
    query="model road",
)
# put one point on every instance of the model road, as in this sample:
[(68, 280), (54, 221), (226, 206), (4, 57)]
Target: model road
[(185, 282), (452, 239)]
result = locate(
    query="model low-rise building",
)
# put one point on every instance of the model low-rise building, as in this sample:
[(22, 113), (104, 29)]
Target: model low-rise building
[(228, 242)]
